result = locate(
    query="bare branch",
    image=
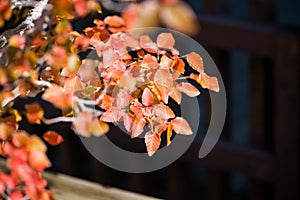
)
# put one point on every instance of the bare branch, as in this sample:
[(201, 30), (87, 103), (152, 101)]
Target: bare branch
[(57, 120)]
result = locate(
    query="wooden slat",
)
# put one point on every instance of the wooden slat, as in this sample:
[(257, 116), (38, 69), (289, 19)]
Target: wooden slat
[(231, 34), (70, 188), (286, 120), (257, 130), (234, 158), (257, 110)]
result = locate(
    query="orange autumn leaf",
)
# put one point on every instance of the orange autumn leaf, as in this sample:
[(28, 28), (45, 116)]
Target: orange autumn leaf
[(147, 97), (137, 127), (6, 131), (34, 112), (195, 61), (206, 81), (165, 40), (17, 41), (39, 160), (178, 67), (106, 102), (152, 141), (128, 120), (188, 89), (181, 126), (58, 96), (53, 138), (169, 133), (34, 143), (114, 21), (86, 124)]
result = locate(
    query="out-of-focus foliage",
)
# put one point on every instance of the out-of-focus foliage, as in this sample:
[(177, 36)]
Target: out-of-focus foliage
[(173, 14)]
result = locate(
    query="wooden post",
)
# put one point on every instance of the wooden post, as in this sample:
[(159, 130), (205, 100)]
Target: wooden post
[(286, 117)]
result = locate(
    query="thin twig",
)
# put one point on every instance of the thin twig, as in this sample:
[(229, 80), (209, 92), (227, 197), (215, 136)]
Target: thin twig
[(57, 120)]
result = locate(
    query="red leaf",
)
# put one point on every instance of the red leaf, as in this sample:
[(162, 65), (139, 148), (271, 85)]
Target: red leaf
[(152, 141), (195, 61), (53, 138), (137, 127), (147, 97), (181, 126), (188, 89), (165, 40), (16, 195)]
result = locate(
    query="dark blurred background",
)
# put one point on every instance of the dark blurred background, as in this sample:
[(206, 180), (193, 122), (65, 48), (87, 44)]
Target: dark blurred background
[(256, 45)]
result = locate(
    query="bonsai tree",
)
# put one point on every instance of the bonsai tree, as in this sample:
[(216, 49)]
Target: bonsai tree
[(130, 80)]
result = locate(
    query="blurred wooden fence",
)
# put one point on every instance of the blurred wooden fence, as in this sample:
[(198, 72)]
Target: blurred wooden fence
[(258, 154)]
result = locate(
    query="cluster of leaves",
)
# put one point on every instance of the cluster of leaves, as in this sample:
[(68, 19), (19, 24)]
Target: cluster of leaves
[(138, 77), (26, 160), (130, 80)]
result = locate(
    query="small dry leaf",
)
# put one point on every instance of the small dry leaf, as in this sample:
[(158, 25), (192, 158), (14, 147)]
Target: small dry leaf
[(188, 89), (152, 141), (34, 112), (53, 138), (181, 126), (165, 40), (206, 81), (195, 61)]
